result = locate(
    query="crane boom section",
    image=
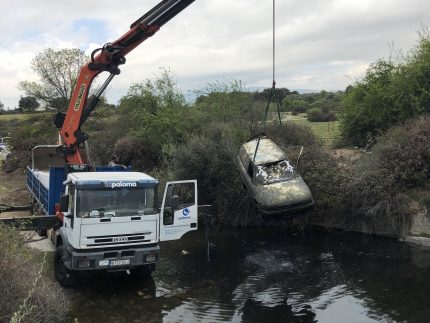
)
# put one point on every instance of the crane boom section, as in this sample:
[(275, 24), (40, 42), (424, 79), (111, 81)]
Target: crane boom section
[(108, 59)]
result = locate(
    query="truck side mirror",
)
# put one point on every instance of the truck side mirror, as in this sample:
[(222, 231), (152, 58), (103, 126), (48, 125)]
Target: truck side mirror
[(64, 203), (174, 202)]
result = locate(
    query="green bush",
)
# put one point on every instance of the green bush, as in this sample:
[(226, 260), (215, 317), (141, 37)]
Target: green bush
[(38, 129), (325, 179), (133, 152), (290, 134), (318, 115), (209, 158), (390, 93)]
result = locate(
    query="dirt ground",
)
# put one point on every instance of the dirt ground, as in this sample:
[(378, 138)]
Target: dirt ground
[(13, 192)]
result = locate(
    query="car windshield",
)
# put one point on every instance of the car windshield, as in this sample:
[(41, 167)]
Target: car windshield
[(115, 202), (275, 172)]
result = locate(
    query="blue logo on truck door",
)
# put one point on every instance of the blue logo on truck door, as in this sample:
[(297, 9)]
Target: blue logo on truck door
[(185, 214)]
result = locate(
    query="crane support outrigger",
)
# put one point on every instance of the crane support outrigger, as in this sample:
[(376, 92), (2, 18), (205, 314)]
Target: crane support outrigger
[(107, 59)]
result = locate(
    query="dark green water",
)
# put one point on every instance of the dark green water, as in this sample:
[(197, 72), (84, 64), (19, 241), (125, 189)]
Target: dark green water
[(268, 276)]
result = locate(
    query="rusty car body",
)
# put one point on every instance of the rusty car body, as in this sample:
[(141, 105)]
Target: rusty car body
[(274, 184)]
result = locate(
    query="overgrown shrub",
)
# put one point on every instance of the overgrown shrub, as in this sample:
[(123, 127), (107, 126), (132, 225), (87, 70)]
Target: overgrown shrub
[(26, 295), (38, 129), (325, 178), (298, 109), (373, 203), (290, 134), (209, 158), (318, 115), (374, 198), (404, 153), (133, 152)]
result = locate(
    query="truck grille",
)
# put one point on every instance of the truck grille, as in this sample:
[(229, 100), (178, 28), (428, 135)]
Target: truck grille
[(119, 239)]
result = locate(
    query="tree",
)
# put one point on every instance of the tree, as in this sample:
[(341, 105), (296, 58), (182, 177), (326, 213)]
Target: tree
[(58, 72), (1, 107), (28, 103), (281, 93), (156, 113)]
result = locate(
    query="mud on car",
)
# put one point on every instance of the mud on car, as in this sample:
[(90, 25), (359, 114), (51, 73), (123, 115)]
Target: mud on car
[(274, 184)]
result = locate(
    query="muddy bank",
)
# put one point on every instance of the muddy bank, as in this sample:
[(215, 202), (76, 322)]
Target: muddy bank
[(410, 212)]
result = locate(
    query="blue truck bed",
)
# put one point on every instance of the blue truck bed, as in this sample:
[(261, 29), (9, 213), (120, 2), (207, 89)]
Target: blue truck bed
[(46, 196)]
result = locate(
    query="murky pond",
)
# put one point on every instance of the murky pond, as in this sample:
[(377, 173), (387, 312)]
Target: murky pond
[(268, 276)]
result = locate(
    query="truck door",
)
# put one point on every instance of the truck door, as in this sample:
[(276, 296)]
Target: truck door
[(178, 214), (69, 216)]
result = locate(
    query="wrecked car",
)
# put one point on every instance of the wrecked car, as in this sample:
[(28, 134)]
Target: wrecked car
[(274, 184)]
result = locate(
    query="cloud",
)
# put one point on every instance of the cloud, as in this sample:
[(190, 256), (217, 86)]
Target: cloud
[(325, 44)]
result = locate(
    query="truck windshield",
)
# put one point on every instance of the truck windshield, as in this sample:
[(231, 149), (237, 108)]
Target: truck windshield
[(115, 202), (276, 172)]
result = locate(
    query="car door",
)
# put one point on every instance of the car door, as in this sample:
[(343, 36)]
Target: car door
[(178, 214)]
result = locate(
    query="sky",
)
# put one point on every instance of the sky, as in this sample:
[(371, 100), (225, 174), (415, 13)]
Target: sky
[(320, 44)]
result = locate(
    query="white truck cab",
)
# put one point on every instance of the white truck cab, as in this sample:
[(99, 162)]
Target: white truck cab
[(112, 221)]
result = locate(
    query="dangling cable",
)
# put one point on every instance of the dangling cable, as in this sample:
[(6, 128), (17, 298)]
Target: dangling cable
[(273, 43), (273, 90)]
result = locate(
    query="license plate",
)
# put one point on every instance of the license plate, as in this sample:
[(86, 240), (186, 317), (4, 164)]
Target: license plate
[(122, 262), (104, 262)]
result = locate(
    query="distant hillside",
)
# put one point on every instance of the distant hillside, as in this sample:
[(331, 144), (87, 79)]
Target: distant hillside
[(191, 96)]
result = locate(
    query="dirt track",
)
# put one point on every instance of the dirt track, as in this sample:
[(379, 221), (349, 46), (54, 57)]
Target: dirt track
[(13, 192)]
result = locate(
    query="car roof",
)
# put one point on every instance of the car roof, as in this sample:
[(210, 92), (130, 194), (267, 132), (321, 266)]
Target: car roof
[(268, 152)]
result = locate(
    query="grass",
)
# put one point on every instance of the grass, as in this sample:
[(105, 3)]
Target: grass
[(7, 117), (326, 132)]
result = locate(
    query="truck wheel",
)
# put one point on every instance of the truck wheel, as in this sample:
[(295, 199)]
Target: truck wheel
[(64, 275), (143, 271)]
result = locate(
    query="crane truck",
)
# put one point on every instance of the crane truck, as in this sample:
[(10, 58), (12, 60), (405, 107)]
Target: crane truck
[(106, 218)]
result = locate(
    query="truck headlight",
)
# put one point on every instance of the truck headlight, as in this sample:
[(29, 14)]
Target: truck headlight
[(150, 258), (84, 263)]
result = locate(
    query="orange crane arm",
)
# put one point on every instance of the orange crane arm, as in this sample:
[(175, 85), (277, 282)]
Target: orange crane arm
[(107, 60)]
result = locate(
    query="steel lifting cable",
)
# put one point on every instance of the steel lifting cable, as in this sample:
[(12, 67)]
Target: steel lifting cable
[(273, 89)]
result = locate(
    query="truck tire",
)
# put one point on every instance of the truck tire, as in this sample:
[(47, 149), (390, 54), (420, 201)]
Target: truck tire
[(143, 271), (64, 275)]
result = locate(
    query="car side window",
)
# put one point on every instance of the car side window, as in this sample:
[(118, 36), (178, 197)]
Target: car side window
[(250, 169), (243, 156)]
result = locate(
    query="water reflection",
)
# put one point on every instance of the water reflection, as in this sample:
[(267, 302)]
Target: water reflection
[(262, 276), (255, 311)]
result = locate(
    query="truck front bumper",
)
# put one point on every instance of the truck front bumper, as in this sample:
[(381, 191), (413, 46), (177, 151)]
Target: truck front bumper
[(112, 259)]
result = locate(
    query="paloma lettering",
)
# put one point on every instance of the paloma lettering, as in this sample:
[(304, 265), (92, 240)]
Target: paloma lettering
[(121, 184)]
